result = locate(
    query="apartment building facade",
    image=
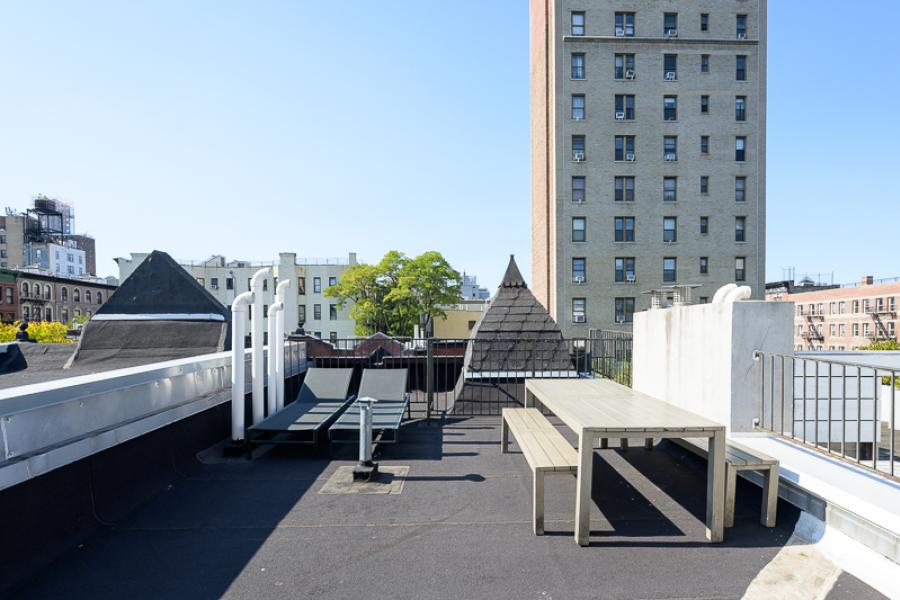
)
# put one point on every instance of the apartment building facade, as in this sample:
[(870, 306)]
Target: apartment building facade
[(41, 295), (648, 153), (305, 307), (845, 317)]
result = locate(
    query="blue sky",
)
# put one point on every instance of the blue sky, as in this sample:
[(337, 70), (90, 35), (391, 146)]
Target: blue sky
[(246, 129)]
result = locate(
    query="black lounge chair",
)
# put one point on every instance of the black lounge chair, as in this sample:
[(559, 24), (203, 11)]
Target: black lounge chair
[(388, 386), (321, 399)]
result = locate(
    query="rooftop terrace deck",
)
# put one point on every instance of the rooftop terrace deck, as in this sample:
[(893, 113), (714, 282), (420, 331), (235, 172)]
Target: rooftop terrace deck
[(460, 528)]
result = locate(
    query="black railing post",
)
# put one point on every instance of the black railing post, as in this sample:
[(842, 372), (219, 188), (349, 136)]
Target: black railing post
[(429, 378)]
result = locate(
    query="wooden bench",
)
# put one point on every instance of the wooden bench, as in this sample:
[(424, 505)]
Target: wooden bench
[(739, 457), (543, 446)]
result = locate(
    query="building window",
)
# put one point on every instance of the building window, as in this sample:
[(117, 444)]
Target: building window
[(624, 24), (740, 108), (841, 306), (741, 68), (9, 295), (99, 297), (578, 65), (670, 67), (741, 26), (229, 283), (76, 295), (624, 310), (332, 312), (624, 64), (578, 148), (740, 229), (670, 108), (64, 294), (704, 265), (318, 334), (577, 23), (832, 308), (855, 330), (65, 315), (624, 229), (704, 63), (841, 330), (26, 313), (855, 306), (579, 233), (87, 296), (865, 329), (214, 283), (865, 305), (624, 147), (799, 310), (704, 104), (624, 105), (670, 229), (704, 21), (301, 286), (332, 337), (578, 107), (624, 191), (265, 285), (578, 270), (670, 24), (48, 314), (578, 312), (670, 189), (317, 312), (740, 148), (704, 144), (578, 189), (625, 269), (704, 225), (740, 268), (317, 285), (670, 147), (670, 269), (740, 189), (301, 314), (890, 303), (201, 281), (332, 281), (704, 184)]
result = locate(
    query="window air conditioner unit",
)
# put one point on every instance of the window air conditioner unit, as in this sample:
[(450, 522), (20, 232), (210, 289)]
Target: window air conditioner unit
[(620, 320), (620, 116), (630, 279), (742, 36), (578, 319), (579, 279), (578, 118), (579, 157), (578, 200), (669, 241), (620, 32), (629, 156), (629, 74), (670, 156), (671, 33), (670, 76)]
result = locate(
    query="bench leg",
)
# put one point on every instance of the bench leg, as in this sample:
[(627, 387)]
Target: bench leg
[(538, 502), (730, 489), (604, 443), (770, 496), (504, 436), (623, 442), (648, 443)]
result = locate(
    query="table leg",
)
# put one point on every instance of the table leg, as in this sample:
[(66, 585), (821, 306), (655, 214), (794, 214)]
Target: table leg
[(583, 495), (715, 488)]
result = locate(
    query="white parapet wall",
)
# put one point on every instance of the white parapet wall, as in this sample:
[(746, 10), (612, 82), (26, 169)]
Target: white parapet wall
[(700, 357)]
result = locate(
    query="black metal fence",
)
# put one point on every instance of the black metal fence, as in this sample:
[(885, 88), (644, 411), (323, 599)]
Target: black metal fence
[(471, 377)]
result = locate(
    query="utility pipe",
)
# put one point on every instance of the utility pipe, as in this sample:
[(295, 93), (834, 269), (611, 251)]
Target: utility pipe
[(239, 308), (737, 294), (274, 342), (280, 293), (722, 292), (257, 326)]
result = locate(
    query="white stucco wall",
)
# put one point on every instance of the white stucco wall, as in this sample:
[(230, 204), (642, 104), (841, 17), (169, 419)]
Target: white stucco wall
[(700, 357)]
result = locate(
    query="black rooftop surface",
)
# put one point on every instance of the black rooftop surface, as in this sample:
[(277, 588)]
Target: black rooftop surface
[(461, 528), (161, 285), (516, 333)]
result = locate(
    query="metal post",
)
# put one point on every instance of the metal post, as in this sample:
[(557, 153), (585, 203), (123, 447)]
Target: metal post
[(366, 468), (893, 382), (429, 378)]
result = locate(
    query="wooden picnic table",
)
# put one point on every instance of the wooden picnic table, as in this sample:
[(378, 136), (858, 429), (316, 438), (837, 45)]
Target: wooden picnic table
[(600, 408)]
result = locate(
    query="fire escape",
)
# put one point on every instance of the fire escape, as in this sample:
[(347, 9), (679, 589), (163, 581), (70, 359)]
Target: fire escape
[(814, 328), (880, 311)]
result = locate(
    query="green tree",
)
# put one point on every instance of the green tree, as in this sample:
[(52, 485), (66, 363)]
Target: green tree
[(397, 293)]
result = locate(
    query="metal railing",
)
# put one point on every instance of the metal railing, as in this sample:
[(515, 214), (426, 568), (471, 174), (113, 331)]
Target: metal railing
[(470, 377), (611, 354), (843, 409)]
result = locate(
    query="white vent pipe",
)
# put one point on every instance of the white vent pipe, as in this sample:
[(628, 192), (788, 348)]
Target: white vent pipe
[(257, 326), (280, 292), (737, 294), (239, 308), (722, 292), (274, 341)]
